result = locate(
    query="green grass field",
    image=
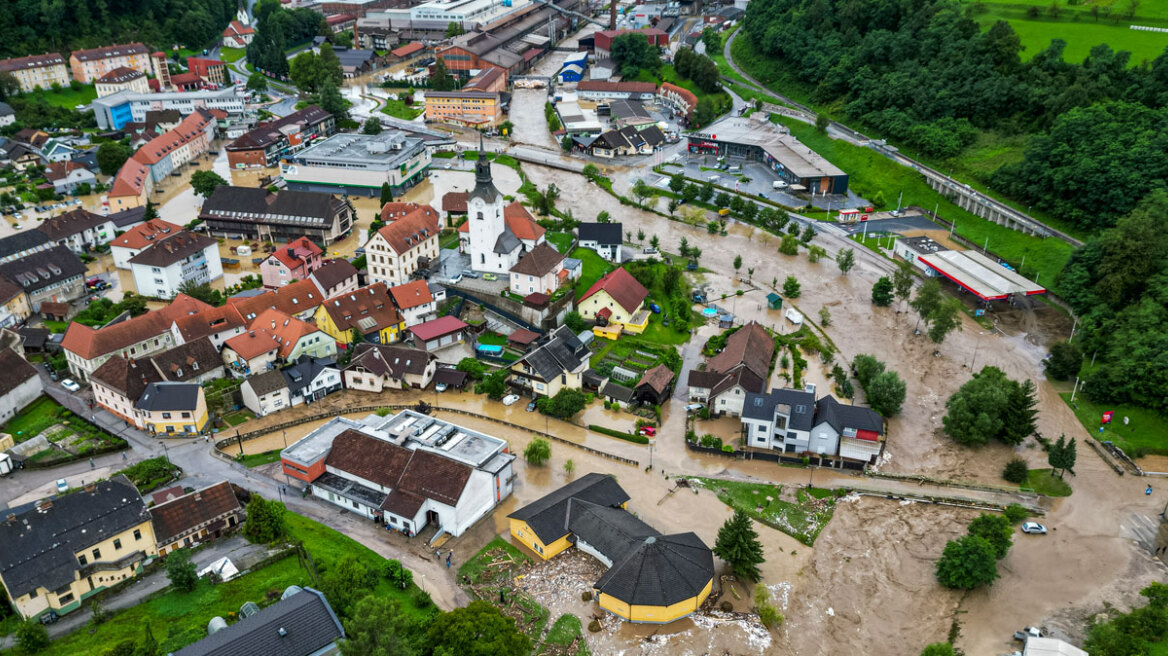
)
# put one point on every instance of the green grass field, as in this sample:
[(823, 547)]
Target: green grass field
[(1145, 434), (594, 267), (561, 240), (232, 55), (870, 172), (802, 521), (1043, 481), (66, 97), (399, 109), (37, 416), (257, 459), (1079, 28)]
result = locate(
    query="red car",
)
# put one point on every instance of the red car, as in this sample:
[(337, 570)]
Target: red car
[(647, 431)]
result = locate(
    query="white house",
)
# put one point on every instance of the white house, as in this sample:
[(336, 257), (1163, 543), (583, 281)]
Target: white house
[(265, 393), (415, 302), (161, 269), (604, 238), (392, 254), (377, 367), (782, 420), (855, 429), (311, 379), (540, 271), (79, 230), (19, 386), (138, 238)]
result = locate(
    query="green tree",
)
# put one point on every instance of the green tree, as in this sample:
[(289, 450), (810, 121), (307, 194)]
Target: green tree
[(706, 191), (676, 183), (712, 39), (265, 521), (1016, 471), (928, 299), (111, 155), (575, 322), (440, 79), (453, 29), (372, 125), (307, 72), (257, 83), (994, 529), (981, 409), (386, 194), (201, 291), (564, 404), (808, 234), (331, 100), (1157, 594), (1016, 513), (824, 316), (345, 583), (791, 287), (944, 318), (477, 629), (967, 563), (379, 627), (866, 368), (737, 263), (902, 280), (494, 385), (204, 182), (845, 260), (633, 53), (705, 113), (567, 143), (31, 636), (1021, 416), (1065, 361), (472, 367), (789, 245), (822, 122), (882, 292), (537, 452), (330, 65), (603, 217), (1062, 455), (886, 393), (739, 546), (183, 574), (939, 649)]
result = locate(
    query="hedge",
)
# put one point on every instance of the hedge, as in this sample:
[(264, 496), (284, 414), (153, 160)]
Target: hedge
[(637, 439)]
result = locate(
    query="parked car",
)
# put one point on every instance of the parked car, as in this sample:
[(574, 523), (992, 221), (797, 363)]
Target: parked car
[(1027, 633), (649, 251), (490, 276), (647, 431), (694, 407), (511, 399), (531, 406), (70, 385), (470, 274), (1034, 527), (62, 486), (49, 617)]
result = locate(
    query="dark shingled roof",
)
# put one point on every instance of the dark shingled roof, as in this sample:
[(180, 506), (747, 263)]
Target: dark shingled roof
[(617, 391), (37, 549), (175, 517), (841, 416), (750, 346), (605, 234), (300, 625), (128, 378), (548, 515), (659, 571), (16, 370), (187, 361), (267, 382), (169, 396), (614, 532), (174, 248), (333, 273), (538, 261), (390, 360), (658, 378), (258, 205), (800, 407), (36, 271), (563, 351)]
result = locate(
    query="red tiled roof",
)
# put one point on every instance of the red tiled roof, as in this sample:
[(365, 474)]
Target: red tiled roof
[(455, 201), (105, 52), (286, 330), (172, 519), (120, 74), (89, 343), (190, 129), (519, 220), (372, 302), (394, 211), (620, 87), (622, 287), (131, 179), (523, 336), (31, 61), (235, 28), (302, 249), (411, 294), (208, 322), (408, 49), (437, 328), (253, 343), (291, 299), (411, 230), (686, 94), (61, 170), (145, 234)]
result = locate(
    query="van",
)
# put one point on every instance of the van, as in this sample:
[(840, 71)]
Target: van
[(736, 168), (711, 178), (778, 184)]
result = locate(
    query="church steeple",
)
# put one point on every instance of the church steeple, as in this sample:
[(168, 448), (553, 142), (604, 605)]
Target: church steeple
[(484, 185)]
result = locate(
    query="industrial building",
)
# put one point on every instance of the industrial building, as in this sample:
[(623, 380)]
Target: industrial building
[(979, 275), (358, 164), (763, 141), (114, 111)]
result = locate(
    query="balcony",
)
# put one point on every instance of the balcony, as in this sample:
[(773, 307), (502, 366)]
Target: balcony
[(112, 565)]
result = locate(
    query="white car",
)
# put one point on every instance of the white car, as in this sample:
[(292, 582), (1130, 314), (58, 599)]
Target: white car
[(70, 385), (440, 387), (1034, 527), (511, 399), (62, 486)]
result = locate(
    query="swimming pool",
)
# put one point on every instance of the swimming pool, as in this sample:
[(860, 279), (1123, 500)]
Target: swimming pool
[(490, 349), (710, 312)]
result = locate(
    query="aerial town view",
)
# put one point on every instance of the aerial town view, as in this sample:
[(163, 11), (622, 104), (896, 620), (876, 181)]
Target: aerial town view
[(583, 327)]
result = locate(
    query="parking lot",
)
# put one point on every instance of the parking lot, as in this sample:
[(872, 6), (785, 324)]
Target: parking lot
[(754, 178)]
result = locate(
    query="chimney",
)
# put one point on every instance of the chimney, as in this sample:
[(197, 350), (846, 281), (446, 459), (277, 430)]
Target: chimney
[(90, 487), (198, 496), (44, 504), (11, 519)]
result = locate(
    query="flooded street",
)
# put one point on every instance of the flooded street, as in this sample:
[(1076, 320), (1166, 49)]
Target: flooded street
[(531, 126)]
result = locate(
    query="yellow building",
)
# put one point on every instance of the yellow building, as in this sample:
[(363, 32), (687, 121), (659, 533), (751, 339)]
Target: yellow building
[(61, 551), (88, 65), (37, 71), (650, 577), (559, 363), (369, 310), (172, 409), (14, 306), (616, 299)]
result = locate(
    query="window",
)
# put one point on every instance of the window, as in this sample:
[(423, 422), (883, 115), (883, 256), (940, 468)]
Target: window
[(166, 415), (137, 534), (117, 544), (186, 415), (65, 599), (82, 559), (97, 554)]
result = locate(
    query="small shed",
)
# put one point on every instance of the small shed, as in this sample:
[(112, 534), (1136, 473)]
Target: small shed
[(522, 338), (55, 311), (438, 333), (774, 301), (450, 377), (617, 393), (655, 386), (725, 320)]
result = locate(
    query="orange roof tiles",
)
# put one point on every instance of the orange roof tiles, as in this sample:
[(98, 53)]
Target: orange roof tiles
[(292, 299), (90, 343), (286, 330), (146, 233), (411, 294), (411, 230)]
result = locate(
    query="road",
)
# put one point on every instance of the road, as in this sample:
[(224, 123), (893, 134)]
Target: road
[(839, 130)]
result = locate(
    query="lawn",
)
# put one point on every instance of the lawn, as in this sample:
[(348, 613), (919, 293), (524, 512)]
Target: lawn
[(594, 267), (399, 109), (232, 55), (658, 333), (1043, 481), (870, 172), (667, 74), (563, 633), (39, 415), (237, 418), (633, 352), (1145, 434), (257, 459), (479, 568), (561, 240), (1080, 31), (68, 98), (802, 521), (449, 239), (494, 339)]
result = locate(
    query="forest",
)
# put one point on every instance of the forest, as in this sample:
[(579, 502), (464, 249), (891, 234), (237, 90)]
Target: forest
[(277, 30), (922, 73), (37, 26)]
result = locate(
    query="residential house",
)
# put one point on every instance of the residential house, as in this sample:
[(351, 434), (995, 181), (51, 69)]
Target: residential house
[(782, 420), (19, 156), (539, 271), (56, 551), (138, 237), (130, 187), (17, 246), (265, 393), (377, 367), (172, 409), (335, 278), (294, 261), (237, 35), (265, 145), (299, 299), (121, 78), (89, 65), (742, 367), (650, 577), (302, 622), (256, 213), (161, 269), (655, 386), (454, 206), (54, 275), (192, 519), (311, 379), (87, 348), (852, 432), (397, 250), (414, 301), (604, 238), (212, 72), (217, 324), (58, 150), (7, 114), (78, 230), (617, 299), (682, 101), (184, 143), (20, 385), (196, 361), (37, 71), (67, 176), (369, 311), (557, 363), (438, 333), (14, 307), (274, 337), (120, 382), (629, 140)]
